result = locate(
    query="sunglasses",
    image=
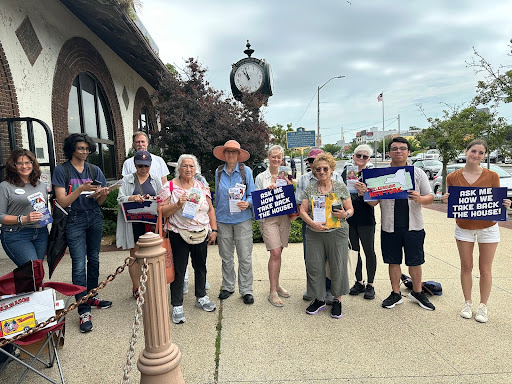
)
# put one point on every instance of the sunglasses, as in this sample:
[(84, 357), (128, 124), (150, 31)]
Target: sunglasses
[(320, 169), (365, 157), (142, 166)]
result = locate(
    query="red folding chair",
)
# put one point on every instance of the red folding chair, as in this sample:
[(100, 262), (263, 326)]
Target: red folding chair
[(29, 277)]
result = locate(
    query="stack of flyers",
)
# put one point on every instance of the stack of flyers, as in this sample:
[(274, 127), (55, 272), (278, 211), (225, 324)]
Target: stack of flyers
[(192, 205), (236, 195), (282, 177), (318, 203), (352, 178), (39, 204)]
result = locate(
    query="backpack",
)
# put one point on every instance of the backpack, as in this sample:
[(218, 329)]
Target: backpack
[(431, 287)]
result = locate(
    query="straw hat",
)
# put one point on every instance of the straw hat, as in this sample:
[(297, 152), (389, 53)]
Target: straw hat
[(218, 151)]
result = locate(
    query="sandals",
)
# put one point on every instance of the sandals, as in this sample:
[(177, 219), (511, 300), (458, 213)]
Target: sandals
[(274, 299), (283, 292)]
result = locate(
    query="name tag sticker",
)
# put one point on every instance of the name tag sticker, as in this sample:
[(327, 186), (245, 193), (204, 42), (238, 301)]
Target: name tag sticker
[(19, 191)]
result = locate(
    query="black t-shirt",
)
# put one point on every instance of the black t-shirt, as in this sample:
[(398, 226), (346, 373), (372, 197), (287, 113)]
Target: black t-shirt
[(364, 214), (401, 215)]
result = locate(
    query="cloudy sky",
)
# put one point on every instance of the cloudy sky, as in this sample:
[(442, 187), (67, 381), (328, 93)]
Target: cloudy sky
[(413, 51)]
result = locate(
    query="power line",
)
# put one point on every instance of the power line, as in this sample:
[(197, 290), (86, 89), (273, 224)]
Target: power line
[(297, 123)]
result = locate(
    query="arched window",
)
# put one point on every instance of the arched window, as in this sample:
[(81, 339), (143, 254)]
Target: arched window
[(88, 113), (146, 125)]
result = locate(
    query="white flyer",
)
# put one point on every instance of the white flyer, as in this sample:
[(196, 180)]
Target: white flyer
[(352, 178), (318, 203), (192, 205), (234, 198)]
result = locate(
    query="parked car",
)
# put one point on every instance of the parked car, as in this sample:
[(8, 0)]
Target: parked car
[(431, 154), (461, 157), (505, 177), (496, 157), (351, 162), (430, 167)]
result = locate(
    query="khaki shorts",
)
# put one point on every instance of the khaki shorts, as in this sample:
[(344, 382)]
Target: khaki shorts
[(275, 231)]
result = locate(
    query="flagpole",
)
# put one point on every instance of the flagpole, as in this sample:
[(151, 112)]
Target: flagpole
[(383, 133)]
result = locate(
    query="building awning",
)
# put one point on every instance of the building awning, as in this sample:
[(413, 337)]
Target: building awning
[(112, 24)]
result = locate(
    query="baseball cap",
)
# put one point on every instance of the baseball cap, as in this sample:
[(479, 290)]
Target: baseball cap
[(314, 153), (142, 158)]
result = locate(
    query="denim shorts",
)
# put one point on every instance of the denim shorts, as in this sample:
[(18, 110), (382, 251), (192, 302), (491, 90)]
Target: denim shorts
[(485, 235)]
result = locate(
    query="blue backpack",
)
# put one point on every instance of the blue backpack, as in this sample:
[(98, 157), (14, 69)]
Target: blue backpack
[(431, 287)]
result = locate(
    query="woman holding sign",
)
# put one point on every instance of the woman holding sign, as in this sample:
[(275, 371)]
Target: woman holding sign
[(138, 186), (191, 226), (325, 208), (24, 235), (486, 233), (275, 229)]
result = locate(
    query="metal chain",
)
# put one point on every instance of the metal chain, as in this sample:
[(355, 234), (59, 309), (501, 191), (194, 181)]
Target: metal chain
[(71, 307), (136, 323)]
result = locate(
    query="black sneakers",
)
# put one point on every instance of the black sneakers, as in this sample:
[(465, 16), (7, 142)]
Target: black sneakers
[(85, 322), (315, 307), (369, 292), (392, 300), (422, 300), (336, 309), (356, 289), (95, 301)]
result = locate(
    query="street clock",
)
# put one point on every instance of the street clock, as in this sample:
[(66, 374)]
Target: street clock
[(251, 76)]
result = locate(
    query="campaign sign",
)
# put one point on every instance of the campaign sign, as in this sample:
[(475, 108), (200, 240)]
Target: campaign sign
[(477, 203), (388, 183), (274, 202), (145, 212)]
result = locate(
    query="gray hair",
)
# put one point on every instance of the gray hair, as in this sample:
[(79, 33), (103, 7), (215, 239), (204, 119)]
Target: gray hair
[(187, 156), (275, 148), (364, 148)]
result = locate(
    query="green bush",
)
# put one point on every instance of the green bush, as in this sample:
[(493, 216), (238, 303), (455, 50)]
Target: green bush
[(295, 232), (109, 210)]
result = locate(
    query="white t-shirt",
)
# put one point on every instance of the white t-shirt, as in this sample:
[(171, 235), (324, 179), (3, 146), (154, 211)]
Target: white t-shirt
[(158, 167)]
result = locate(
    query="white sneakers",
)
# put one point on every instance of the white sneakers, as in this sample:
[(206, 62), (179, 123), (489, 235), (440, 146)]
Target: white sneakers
[(467, 312), (481, 314)]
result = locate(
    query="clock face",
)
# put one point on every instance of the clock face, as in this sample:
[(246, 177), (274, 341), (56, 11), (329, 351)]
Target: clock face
[(249, 77)]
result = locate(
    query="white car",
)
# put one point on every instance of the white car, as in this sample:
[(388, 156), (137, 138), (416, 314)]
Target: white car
[(431, 154)]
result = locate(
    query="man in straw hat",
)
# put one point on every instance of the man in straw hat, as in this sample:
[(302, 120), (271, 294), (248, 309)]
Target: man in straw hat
[(235, 228)]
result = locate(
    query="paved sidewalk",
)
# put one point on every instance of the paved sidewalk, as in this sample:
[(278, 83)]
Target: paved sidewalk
[(263, 344)]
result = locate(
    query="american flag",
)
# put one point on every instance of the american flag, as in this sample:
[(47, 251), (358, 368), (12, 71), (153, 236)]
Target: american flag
[(379, 98)]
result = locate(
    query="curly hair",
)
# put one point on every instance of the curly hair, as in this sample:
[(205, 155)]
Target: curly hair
[(187, 156), (71, 141), (327, 157), (12, 176)]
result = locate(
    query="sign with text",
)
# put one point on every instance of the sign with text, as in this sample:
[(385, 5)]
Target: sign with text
[(274, 202), (388, 183), (145, 212), (477, 203), (300, 139)]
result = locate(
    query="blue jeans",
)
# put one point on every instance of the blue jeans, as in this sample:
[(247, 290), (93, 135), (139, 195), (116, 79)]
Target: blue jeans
[(83, 232), (23, 244)]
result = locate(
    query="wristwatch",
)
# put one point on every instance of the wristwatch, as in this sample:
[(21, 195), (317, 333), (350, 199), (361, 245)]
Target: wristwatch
[(348, 215)]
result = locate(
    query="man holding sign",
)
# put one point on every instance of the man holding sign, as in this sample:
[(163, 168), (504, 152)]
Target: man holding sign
[(471, 205), (402, 229)]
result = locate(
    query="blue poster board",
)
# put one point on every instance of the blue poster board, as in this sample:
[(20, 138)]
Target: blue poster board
[(274, 202), (477, 203), (145, 212), (388, 183)]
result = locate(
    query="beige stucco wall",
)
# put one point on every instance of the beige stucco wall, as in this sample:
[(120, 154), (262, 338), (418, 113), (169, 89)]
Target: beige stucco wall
[(54, 24)]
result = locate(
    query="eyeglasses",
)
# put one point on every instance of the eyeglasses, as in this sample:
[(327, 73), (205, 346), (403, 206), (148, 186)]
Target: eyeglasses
[(187, 166), (365, 157), (142, 166), (231, 151), (320, 169), (310, 161), (83, 149), (25, 164), (396, 149)]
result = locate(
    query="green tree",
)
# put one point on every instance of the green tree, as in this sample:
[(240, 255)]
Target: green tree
[(277, 134), (496, 87), (196, 118), (451, 133), (331, 148)]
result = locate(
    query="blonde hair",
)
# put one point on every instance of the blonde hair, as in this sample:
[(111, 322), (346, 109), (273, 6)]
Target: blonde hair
[(327, 157)]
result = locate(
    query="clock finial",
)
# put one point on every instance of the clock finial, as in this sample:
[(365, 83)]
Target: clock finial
[(248, 51)]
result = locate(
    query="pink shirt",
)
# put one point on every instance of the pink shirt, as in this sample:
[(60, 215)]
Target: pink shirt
[(177, 220)]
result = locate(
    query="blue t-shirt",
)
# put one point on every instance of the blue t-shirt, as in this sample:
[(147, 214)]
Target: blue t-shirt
[(77, 179)]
